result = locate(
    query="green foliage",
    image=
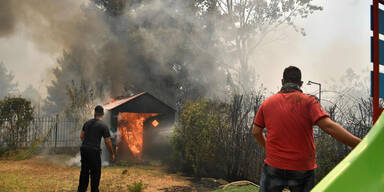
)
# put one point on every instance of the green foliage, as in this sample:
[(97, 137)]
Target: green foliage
[(7, 152), (136, 186), (355, 115), (28, 152), (196, 140), (213, 139), (329, 153), (16, 114), (224, 131)]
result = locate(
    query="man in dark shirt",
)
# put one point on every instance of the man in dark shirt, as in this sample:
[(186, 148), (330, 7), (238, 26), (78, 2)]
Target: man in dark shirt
[(90, 150)]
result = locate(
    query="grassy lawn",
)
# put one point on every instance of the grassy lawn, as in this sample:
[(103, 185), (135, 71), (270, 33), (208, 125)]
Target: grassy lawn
[(44, 173)]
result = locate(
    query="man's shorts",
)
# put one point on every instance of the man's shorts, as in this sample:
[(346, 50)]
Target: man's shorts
[(273, 179)]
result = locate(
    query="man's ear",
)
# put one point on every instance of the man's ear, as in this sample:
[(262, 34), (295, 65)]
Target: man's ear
[(301, 83), (282, 82)]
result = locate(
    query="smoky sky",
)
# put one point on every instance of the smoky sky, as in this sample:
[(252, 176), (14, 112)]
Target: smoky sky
[(7, 18), (39, 30), (51, 25)]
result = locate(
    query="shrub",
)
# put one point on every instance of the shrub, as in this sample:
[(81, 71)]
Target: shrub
[(213, 139), (16, 114), (196, 138), (136, 187)]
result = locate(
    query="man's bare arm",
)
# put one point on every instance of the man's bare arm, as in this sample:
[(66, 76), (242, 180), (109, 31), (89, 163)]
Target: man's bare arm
[(108, 143), (259, 135), (338, 132), (82, 135)]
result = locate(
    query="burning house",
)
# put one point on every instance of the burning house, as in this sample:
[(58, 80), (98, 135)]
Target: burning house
[(143, 124)]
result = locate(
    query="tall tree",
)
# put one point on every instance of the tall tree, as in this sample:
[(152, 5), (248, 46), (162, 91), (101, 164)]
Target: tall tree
[(72, 87), (244, 24)]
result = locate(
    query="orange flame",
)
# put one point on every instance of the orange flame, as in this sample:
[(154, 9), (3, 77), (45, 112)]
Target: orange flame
[(130, 126), (155, 123)]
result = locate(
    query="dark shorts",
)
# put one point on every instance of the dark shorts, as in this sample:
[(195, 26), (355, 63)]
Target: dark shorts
[(273, 179)]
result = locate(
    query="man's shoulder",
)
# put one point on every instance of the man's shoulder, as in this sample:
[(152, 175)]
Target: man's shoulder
[(96, 122), (311, 98), (273, 97), (89, 121), (102, 123), (269, 101), (278, 97)]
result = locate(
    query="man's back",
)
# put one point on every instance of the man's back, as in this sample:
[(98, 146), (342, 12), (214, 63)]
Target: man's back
[(93, 131), (290, 148), (90, 150), (289, 117)]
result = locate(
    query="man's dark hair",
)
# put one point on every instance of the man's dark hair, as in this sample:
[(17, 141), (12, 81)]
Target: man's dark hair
[(99, 110), (292, 74)]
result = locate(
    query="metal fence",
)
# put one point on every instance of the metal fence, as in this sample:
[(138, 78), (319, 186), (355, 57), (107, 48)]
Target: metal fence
[(56, 131)]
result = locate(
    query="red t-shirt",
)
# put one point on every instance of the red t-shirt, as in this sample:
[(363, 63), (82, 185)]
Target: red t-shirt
[(289, 118)]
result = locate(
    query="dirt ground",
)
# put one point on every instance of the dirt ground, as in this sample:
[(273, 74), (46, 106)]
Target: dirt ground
[(50, 173)]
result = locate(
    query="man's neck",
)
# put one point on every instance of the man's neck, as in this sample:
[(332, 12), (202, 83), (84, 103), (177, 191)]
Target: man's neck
[(290, 86)]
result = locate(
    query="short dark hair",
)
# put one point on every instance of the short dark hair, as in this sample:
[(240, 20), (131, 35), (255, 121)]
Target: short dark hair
[(292, 74), (99, 110)]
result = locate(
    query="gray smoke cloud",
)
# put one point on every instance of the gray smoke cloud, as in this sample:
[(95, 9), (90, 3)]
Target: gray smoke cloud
[(146, 48), (52, 25), (158, 46), (95, 43), (7, 18)]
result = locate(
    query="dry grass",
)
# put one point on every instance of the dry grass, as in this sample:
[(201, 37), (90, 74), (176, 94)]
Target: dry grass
[(51, 174)]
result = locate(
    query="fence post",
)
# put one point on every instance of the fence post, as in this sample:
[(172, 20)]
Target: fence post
[(56, 122)]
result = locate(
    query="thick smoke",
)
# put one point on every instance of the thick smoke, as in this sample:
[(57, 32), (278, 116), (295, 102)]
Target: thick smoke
[(52, 25), (147, 47), (7, 18), (166, 47)]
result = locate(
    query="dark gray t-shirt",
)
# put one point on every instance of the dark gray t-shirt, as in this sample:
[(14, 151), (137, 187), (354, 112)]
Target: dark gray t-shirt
[(93, 131)]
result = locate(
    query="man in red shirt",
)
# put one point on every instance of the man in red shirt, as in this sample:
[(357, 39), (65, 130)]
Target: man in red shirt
[(289, 117)]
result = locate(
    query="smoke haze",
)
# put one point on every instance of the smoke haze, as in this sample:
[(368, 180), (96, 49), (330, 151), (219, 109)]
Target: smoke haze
[(51, 25), (99, 47)]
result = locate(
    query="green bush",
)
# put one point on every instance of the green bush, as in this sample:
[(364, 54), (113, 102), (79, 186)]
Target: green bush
[(16, 114), (213, 139), (196, 138), (329, 153), (136, 187)]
